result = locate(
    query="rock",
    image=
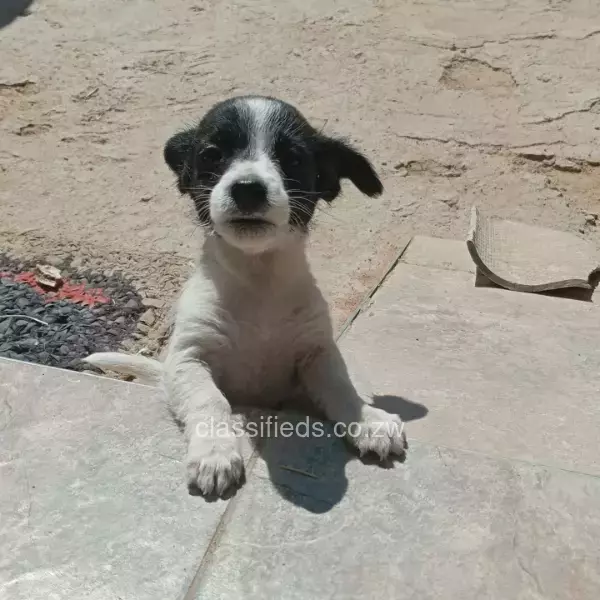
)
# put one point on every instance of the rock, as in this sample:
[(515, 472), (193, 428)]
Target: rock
[(146, 198), (28, 344), (143, 328), (152, 303), (148, 318), (20, 324), (22, 303), (564, 164), (164, 331), (127, 345), (591, 218), (120, 320), (30, 325), (132, 304), (53, 260)]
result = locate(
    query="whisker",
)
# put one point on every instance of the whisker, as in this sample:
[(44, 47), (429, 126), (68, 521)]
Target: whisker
[(301, 208)]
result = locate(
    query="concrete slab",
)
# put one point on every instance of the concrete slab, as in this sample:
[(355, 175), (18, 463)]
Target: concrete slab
[(439, 253), (446, 524), (93, 502), (507, 374)]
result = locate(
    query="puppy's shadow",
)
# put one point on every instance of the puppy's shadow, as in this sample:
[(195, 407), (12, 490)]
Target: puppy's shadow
[(12, 9), (304, 457)]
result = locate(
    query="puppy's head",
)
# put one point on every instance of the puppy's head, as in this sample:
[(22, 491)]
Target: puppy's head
[(255, 170)]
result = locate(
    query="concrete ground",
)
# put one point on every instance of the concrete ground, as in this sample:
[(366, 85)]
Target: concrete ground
[(499, 496), (457, 102)]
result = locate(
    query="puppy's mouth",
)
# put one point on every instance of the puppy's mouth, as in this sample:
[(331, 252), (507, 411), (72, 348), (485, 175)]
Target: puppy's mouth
[(256, 224)]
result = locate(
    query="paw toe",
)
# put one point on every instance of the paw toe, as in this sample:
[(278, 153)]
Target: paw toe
[(214, 475)]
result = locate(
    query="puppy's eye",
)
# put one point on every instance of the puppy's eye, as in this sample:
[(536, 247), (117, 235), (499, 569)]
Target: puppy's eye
[(211, 154)]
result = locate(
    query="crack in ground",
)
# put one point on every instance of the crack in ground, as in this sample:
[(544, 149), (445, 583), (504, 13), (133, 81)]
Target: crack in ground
[(593, 103), (531, 575), (489, 145), (550, 35)]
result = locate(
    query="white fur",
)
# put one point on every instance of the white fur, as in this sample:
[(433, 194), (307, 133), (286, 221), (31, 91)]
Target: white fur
[(260, 111), (222, 206), (247, 327), (147, 370)]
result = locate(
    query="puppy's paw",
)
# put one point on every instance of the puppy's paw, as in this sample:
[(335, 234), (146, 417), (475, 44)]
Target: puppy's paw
[(380, 432), (214, 465)]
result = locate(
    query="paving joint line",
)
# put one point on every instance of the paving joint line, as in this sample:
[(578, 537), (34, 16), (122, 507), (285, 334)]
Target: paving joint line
[(365, 301)]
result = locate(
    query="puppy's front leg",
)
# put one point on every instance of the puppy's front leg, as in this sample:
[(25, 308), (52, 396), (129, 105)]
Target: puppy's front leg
[(326, 379), (214, 461)]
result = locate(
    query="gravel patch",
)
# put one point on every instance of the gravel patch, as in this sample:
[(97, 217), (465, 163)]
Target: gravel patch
[(99, 312)]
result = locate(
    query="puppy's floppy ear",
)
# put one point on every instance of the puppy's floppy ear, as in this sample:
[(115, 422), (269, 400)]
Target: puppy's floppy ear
[(338, 160), (178, 153)]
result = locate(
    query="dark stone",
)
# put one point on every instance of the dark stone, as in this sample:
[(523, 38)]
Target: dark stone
[(22, 303), (27, 344), (19, 325), (30, 326), (133, 304)]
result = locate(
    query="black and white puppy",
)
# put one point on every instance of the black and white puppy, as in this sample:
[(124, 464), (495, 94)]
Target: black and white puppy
[(251, 326)]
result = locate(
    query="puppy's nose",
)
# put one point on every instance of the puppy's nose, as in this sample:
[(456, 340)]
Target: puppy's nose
[(249, 196)]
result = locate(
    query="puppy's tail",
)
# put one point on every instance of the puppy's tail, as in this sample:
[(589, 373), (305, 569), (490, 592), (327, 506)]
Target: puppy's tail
[(147, 370)]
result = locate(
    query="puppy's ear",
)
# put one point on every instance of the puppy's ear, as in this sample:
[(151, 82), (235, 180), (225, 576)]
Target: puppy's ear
[(178, 153), (338, 160)]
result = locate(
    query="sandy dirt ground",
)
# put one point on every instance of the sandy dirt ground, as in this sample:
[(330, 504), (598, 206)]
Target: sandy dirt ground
[(457, 102)]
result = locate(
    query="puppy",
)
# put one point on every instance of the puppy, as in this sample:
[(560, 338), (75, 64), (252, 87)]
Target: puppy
[(251, 326)]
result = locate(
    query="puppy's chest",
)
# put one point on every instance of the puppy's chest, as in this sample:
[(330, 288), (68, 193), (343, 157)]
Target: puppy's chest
[(264, 342)]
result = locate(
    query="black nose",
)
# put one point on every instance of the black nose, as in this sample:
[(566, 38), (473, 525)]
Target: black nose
[(249, 196)]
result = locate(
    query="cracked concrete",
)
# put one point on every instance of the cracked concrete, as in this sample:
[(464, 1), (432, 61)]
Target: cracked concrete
[(87, 103)]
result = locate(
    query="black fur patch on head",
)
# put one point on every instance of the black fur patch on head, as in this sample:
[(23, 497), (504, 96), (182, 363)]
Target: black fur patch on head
[(311, 164)]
